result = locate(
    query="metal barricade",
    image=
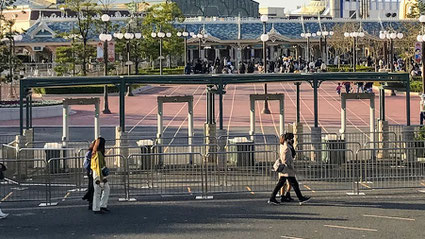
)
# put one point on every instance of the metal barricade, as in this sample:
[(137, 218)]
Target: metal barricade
[(239, 171), (174, 175), (22, 182), (73, 182), (400, 169), (326, 174)]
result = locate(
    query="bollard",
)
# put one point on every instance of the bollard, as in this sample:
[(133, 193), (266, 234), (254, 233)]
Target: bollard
[(383, 138), (316, 139)]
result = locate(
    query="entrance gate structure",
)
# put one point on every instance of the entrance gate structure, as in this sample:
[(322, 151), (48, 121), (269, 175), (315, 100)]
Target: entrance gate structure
[(358, 96), (175, 99), (67, 102), (262, 97)]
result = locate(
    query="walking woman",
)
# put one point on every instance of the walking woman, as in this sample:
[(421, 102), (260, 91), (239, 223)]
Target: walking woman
[(87, 166), (289, 171), (101, 185), (2, 169)]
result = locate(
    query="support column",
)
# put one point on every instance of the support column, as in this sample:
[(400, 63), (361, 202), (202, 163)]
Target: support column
[(282, 117), (407, 84), (383, 138), (408, 136), (316, 103), (252, 118), (121, 144), (190, 123), (65, 121), (343, 117), (372, 120), (382, 104), (96, 120), (252, 54), (123, 89), (316, 138), (160, 121)]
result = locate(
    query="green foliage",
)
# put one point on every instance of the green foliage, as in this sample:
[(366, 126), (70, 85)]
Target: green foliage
[(86, 22), (416, 85), (165, 71), (420, 136), (348, 68), (68, 57)]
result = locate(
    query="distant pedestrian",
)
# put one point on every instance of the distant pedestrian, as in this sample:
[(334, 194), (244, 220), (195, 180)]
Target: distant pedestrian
[(100, 172), (286, 141), (338, 88), (360, 88), (2, 169), (347, 87), (87, 166)]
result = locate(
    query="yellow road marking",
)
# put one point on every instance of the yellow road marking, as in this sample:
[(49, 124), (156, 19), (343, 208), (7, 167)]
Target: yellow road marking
[(365, 185), (387, 217), (309, 188), (352, 228), (188, 189), (7, 196), (249, 189), (66, 195)]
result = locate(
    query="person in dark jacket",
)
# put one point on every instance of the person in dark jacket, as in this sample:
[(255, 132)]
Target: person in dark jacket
[(90, 189)]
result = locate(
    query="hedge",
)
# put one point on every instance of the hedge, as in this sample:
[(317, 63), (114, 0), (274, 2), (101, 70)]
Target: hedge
[(347, 68)]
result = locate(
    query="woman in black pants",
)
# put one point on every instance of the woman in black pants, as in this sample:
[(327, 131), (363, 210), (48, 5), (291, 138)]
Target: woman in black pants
[(288, 173), (90, 188)]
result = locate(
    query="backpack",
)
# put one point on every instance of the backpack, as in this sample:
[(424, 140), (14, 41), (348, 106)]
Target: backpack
[(87, 161)]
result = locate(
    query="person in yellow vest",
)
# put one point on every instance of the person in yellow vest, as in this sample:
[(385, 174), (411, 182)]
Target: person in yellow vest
[(101, 185)]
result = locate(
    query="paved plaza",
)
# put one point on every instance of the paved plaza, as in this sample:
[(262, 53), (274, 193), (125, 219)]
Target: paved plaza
[(141, 110), (396, 214)]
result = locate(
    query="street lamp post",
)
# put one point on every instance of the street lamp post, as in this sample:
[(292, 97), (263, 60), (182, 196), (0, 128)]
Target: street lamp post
[(161, 35), (202, 38), (105, 38), (355, 35), (307, 36), (264, 39), (184, 34), (325, 34)]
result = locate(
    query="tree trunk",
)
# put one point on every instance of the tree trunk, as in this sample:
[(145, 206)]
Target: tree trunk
[(84, 57)]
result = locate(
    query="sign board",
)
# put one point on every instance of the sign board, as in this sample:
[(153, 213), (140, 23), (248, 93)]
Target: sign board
[(99, 52), (111, 51), (418, 53)]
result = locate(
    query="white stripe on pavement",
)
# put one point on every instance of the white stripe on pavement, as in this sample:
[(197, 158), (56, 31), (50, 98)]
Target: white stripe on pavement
[(388, 217), (352, 228)]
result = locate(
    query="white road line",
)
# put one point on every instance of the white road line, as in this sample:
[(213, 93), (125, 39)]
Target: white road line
[(231, 111), (388, 217), (259, 114), (348, 109), (289, 237), (352, 228), (171, 121), (295, 106), (182, 123), (140, 121), (312, 113)]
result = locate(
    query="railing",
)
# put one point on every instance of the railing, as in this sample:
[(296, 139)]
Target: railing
[(52, 175)]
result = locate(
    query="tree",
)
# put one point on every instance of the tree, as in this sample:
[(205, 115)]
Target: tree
[(86, 12), (6, 32), (161, 16), (417, 10), (340, 43)]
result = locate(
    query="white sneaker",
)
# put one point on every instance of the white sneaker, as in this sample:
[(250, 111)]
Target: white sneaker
[(4, 215)]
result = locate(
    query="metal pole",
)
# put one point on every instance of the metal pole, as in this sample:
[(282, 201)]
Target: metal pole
[(382, 104), (326, 51), (407, 82), (308, 50), (160, 56), (391, 59), (199, 49), (266, 109), (185, 51), (316, 104), (12, 52), (298, 102), (122, 104), (354, 54), (220, 91), (21, 108), (105, 73)]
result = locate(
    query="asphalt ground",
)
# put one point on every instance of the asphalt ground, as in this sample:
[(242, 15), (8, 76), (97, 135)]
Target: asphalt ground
[(386, 214)]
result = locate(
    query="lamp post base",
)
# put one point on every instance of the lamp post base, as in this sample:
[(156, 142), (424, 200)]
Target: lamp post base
[(266, 110), (106, 111)]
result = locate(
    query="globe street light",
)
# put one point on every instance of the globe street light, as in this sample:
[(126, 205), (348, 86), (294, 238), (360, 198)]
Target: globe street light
[(324, 35), (354, 35), (161, 35), (185, 35), (202, 37), (307, 36), (391, 36), (264, 38), (105, 38)]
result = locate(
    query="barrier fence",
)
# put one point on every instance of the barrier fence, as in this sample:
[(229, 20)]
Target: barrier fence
[(350, 162)]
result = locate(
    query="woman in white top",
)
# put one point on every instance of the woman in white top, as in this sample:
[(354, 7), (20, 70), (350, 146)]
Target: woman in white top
[(289, 172)]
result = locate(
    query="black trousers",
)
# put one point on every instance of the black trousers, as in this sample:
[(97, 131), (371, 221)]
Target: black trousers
[(90, 189), (294, 183)]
